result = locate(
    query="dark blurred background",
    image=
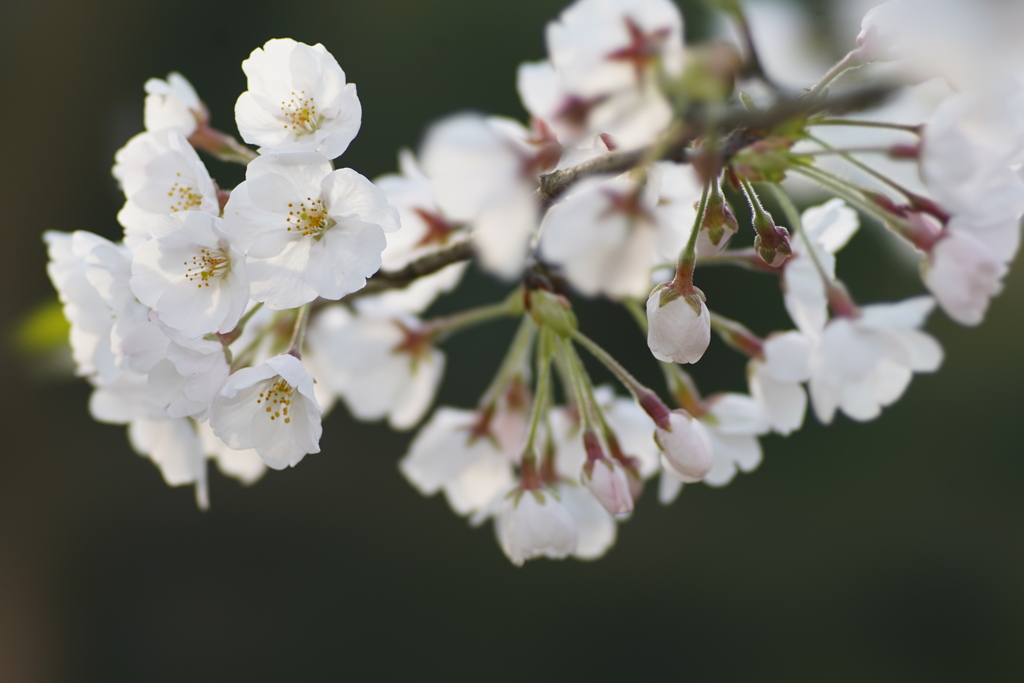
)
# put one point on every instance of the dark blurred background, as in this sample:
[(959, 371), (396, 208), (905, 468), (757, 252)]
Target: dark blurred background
[(890, 551)]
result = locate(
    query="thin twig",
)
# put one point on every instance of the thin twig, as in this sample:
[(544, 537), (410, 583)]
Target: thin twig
[(428, 265), (739, 126)]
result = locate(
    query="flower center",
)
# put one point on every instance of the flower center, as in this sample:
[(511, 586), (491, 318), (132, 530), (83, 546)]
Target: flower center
[(207, 265), (299, 114), (277, 400), (184, 197), (643, 49), (309, 218)]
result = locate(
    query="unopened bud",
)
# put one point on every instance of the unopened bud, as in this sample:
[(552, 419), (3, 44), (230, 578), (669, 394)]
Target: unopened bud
[(718, 226), (609, 484), (772, 241), (678, 325), (552, 310), (686, 448)]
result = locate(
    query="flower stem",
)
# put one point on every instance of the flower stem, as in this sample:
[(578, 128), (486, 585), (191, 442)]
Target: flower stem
[(737, 336), (793, 215), (743, 258), (683, 281), (683, 389), (917, 202), (299, 334), (575, 382), (221, 145), (849, 62), (845, 190), (845, 152), (442, 328), (512, 365), (545, 349), (838, 298), (647, 399), (916, 130)]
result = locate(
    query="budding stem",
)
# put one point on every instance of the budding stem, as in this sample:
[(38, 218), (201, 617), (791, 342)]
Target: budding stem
[(848, 63), (683, 281), (647, 399), (793, 215), (576, 383), (221, 145), (839, 299), (442, 328), (845, 152), (737, 336), (743, 258), (916, 201), (848, 192), (916, 130), (545, 349), (513, 363)]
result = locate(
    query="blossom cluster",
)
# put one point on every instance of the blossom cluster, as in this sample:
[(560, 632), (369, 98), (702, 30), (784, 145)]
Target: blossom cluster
[(228, 321)]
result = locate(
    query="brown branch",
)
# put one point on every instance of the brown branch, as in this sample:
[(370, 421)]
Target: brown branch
[(428, 265), (736, 125)]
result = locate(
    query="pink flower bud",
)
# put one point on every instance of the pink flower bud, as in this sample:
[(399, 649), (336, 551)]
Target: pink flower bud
[(686, 448), (679, 326), (608, 482)]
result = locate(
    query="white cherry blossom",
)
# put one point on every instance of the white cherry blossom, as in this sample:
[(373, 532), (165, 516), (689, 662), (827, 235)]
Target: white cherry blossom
[(776, 380), (964, 275), (865, 363), (448, 455), (307, 231), (184, 375), (425, 230), (606, 235), (123, 400), (91, 277), (969, 146), (959, 40), (485, 172), (160, 174), (534, 523), (600, 47), (172, 104), (733, 422), (297, 100), (595, 528), (628, 119), (825, 230), (270, 408), (192, 273), (381, 366), (246, 465)]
